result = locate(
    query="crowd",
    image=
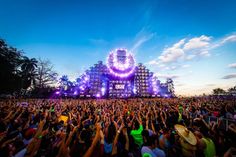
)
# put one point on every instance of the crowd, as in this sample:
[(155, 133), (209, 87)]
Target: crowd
[(178, 127)]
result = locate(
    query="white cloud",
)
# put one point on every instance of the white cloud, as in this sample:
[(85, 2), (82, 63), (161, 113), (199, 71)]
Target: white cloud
[(141, 41), (173, 67), (233, 65), (152, 62), (185, 66), (190, 57), (197, 42), (187, 50), (183, 50), (165, 76), (230, 38), (141, 37), (162, 65), (179, 44), (225, 40), (173, 53), (229, 76), (205, 53)]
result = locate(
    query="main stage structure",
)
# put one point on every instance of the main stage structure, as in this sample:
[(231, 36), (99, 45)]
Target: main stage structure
[(120, 77)]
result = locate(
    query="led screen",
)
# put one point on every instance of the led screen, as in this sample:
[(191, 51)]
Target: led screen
[(119, 86)]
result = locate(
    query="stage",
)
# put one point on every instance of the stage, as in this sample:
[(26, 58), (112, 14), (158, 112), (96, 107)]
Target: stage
[(120, 77)]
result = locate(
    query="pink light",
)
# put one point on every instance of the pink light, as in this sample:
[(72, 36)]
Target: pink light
[(121, 75), (103, 90), (122, 66), (86, 78), (81, 87), (75, 92), (112, 62)]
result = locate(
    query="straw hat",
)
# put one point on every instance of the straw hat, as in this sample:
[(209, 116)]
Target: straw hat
[(187, 135)]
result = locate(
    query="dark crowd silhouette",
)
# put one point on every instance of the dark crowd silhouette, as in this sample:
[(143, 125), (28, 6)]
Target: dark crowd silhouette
[(178, 127)]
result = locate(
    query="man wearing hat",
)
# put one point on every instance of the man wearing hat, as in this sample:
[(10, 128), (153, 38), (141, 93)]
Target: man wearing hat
[(187, 141)]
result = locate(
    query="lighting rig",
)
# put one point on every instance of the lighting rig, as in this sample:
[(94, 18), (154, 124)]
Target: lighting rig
[(120, 77)]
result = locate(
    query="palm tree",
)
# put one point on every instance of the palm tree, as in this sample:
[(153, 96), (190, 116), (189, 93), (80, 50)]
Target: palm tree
[(65, 82), (28, 67)]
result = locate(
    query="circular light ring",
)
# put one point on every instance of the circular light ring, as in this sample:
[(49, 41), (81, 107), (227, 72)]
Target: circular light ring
[(114, 64), (120, 69)]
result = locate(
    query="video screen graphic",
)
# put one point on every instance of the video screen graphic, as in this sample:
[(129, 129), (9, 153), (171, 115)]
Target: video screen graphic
[(119, 86)]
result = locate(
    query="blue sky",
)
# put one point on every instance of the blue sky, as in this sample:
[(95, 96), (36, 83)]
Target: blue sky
[(192, 41)]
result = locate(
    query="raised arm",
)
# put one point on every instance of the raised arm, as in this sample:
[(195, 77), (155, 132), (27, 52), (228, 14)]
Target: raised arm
[(126, 139), (90, 151), (114, 145), (34, 145)]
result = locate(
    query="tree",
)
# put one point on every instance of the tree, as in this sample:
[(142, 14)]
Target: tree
[(18, 72), (10, 58), (28, 65), (65, 83), (45, 75), (218, 91), (28, 71), (232, 90), (64, 80)]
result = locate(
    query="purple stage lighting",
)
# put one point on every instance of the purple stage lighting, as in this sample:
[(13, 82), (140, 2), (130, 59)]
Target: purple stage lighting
[(86, 78), (81, 88), (121, 63), (103, 90), (75, 92), (119, 78), (166, 95)]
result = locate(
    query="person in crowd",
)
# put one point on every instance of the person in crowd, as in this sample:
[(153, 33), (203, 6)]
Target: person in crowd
[(117, 127), (149, 148), (187, 141), (136, 133)]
